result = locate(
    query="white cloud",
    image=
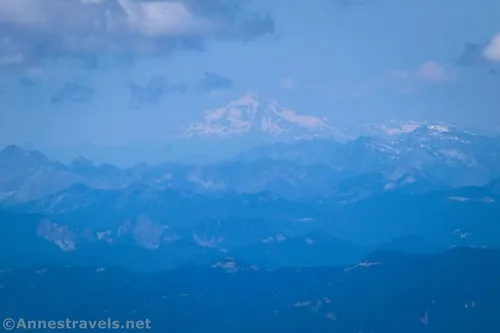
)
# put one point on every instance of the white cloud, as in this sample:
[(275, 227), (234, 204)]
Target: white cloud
[(57, 16), (22, 11), (83, 27), (92, 1), (432, 71), (429, 71), (162, 18), (492, 51), (288, 83)]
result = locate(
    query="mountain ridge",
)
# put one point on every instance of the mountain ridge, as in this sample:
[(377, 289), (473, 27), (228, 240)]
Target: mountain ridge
[(445, 155)]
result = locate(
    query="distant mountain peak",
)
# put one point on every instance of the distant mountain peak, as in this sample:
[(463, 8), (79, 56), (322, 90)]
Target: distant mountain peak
[(253, 114), (441, 131), (82, 162), (394, 127), (13, 148), (13, 152), (435, 128)]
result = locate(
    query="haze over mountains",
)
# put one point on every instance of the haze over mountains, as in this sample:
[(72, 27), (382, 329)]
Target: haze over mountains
[(239, 125), (288, 203), (250, 166), (288, 232), (437, 154)]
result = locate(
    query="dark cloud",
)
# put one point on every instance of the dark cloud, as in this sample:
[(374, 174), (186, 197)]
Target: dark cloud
[(212, 81), (473, 57), (35, 29), (152, 92), (73, 92), (27, 82), (31, 77)]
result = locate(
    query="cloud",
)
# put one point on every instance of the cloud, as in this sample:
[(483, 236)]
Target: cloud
[(31, 77), (9, 54), (432, 71), (492, 50), (352, 3), (429, 71), (11, 60), (152, 92), (288, 83), (26, 82), (481, 55), (73, 92), (35, 29), (212, 81), (472, 55)]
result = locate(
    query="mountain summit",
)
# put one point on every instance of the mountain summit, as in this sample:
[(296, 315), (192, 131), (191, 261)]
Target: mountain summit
[(254, 115)]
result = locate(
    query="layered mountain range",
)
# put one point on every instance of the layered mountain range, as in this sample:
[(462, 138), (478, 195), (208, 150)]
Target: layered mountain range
[(391, 233), (295, 206), (280, 203), (146, 228), (434, 155)]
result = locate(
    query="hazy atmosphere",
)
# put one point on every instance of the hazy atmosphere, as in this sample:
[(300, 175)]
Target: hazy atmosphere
[(132, 73), (250, 166)]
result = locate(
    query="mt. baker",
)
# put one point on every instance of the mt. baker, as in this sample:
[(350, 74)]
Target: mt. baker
[(254, 115)]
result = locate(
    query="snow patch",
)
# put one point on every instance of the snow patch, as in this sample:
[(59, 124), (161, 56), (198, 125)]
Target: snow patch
[(439, 128), (362, 264)]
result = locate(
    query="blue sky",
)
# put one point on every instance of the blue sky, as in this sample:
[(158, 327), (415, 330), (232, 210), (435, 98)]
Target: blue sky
[(121, 71)]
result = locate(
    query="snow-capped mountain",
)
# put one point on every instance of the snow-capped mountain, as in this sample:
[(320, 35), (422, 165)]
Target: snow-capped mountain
[(432, 134), (394, 128), (254, 115), (391, 127)]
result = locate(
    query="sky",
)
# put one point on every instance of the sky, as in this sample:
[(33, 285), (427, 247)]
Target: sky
[(75, 73)]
